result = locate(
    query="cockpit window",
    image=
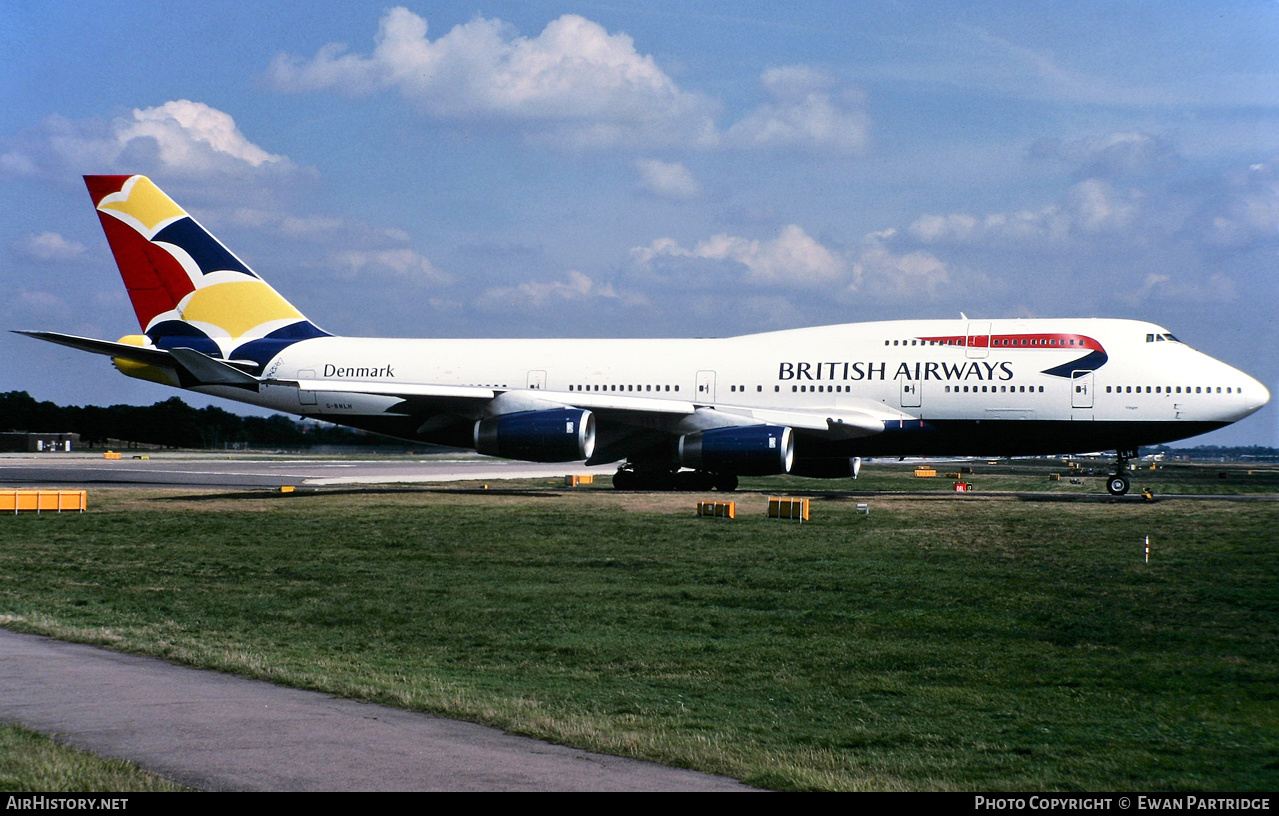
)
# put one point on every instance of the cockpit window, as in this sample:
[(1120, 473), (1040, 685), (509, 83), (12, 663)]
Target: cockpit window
[(1159, 338)]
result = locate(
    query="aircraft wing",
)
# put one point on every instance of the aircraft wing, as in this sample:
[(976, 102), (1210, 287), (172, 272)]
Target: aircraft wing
[(630, 410), (844, 423), (626, 421)]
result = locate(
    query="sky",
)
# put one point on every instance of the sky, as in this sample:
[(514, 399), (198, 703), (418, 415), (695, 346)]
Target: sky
[(646, 169)]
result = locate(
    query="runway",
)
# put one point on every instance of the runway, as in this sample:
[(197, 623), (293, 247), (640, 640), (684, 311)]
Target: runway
[(249, 470)]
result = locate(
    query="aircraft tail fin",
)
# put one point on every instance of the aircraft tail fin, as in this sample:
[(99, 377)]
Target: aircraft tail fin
[(187, 289)]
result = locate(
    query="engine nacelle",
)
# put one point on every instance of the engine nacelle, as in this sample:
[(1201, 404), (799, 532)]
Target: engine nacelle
[(559, 435), (748, 450), (828, 467)]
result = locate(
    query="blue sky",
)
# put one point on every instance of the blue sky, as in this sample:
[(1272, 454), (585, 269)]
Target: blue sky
[(655, 169)]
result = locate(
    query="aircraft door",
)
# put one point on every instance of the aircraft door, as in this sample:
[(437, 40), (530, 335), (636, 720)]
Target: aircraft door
[(306, 397), (706, 386), (1081, 389), (536, 380), (977, 343), (910, 394)]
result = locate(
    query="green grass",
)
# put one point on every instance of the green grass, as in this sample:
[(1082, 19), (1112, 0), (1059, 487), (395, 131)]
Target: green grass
[(34, 763), (976, 645), (1033, 476)]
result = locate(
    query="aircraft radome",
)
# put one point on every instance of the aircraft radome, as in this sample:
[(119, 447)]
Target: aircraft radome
[(678, 413)]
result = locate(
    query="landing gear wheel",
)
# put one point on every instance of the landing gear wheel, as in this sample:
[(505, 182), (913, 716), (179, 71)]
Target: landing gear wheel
[(1117, 485), (726, 482), (625, 480)]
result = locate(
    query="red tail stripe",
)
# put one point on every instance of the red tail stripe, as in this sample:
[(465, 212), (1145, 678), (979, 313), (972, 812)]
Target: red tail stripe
[(102, 186), (155, 280), (1021, 341)]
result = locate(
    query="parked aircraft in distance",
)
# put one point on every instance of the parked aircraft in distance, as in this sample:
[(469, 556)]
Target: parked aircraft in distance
[(679, 413)]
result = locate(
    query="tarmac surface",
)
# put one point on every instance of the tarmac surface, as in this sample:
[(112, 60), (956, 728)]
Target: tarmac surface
[(219, 732), (249, 470)]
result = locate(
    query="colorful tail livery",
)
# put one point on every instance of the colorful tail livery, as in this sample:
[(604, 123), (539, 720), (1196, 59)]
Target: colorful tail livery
[(678, 413), (187, 289)]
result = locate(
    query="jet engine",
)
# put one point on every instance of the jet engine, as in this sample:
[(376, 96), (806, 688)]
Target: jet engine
[(841, 467), (749, 450), (559, 435)]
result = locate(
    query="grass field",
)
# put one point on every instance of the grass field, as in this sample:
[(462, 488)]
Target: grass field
[(983, 643), (32, 762)]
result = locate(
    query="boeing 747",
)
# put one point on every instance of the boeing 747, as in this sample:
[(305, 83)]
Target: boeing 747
[(678, 413)]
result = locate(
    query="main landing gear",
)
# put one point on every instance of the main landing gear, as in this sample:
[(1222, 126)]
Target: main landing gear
[(630, 478), (1117, 484)]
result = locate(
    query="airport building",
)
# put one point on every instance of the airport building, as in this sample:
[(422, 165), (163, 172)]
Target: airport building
[(28, 442)]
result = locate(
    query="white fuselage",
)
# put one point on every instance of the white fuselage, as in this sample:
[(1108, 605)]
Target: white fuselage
[(966, 371)]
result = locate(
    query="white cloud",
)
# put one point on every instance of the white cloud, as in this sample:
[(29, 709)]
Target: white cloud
[(574, 82), (317, 228), (1110, 155), (1247, 210), (49, 246), (667, 180), (191, 134), (41, 303), (400, 263), (1217, 288), (536, 295), (808, 110), (179, 138), (1090, 208), (888, 275), (793, 258)]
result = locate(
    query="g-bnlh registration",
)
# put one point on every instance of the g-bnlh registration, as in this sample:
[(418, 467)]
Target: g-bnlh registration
[(675, 413)]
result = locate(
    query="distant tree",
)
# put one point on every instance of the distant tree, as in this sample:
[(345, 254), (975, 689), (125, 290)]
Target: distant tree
[(173, 423)]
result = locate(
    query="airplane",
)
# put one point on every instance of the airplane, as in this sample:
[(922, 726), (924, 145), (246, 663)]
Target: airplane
[(689, 414)]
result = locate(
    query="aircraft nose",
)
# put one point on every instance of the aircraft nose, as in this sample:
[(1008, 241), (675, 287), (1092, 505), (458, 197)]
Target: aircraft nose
[(1256, 396)]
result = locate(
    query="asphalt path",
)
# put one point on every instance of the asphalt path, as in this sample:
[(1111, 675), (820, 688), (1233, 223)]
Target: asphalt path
[(219, 732)]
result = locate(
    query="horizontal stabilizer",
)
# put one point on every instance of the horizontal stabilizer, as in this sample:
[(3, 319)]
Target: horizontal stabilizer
[(192, 367), (138, 354)]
